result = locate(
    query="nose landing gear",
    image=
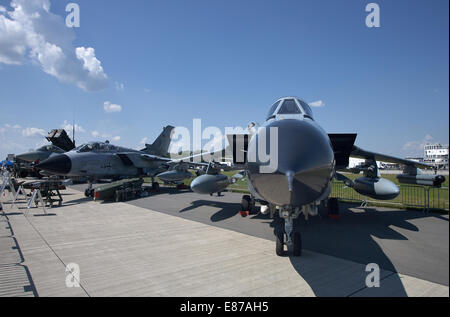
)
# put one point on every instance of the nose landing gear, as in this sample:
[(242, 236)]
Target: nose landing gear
[(287, 235)]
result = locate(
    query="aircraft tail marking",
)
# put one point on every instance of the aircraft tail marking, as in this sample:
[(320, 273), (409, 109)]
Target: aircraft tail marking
[(161, 145)]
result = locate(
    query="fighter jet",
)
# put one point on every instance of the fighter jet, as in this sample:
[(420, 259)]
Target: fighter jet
[(303, 162), (98, 160), (40, 154)]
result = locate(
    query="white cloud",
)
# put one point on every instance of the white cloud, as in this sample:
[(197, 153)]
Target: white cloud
[(119, 86), (318, 103), (30, 33), (146, 90), (143, 140), (33, 132), (110, 107), (69, 127), (12, 126), (95, 134), (416, 148), (116, 138)]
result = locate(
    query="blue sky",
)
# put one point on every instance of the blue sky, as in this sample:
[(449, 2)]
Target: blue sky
[(167, 62)]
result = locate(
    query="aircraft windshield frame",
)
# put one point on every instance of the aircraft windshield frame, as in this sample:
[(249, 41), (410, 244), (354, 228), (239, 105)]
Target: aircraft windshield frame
[(273, 109), (301, 108), (289, 106), (95, 147), (51, 148)]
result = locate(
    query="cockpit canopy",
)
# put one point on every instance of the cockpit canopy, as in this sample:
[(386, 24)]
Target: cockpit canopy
[(290, 106), (96, 147), (50, 148)]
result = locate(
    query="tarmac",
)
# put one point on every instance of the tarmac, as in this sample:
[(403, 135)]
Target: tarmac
[(178, 243)]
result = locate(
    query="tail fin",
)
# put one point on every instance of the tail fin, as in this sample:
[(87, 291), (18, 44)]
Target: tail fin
[(161, 145)]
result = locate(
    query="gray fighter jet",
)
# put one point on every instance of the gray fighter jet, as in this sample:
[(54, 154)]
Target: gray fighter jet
[(102, 160), (306, 162), (40, 154)]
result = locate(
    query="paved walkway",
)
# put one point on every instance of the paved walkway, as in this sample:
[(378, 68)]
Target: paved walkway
[(125, 250)]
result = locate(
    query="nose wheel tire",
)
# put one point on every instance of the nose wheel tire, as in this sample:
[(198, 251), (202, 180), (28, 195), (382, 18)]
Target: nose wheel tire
[(279, 248), (155, 186), (89, 193), (247, 203), (294, 243)]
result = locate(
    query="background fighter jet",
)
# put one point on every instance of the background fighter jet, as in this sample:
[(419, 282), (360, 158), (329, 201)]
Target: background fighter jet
[(40, 154), (307, 162), (98, 160), (60, 143)]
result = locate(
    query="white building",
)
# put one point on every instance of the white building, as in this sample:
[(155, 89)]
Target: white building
[(437, 155)]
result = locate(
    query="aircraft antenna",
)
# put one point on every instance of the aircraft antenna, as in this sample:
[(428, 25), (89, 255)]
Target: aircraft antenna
[(73, 127)]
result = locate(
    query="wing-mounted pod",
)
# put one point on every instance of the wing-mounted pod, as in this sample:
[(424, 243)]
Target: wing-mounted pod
[(175, 173), (211, 181), (374, 187), (371, 184), (414, 176)]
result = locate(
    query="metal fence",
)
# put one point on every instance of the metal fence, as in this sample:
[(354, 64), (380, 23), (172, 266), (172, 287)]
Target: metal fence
[(410, 196)]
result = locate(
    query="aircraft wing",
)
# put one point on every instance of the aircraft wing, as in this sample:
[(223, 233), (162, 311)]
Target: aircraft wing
[(141, 160), (360, 153)]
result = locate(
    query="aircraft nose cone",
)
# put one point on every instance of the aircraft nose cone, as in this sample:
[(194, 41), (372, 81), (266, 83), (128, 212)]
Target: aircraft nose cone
[(304, 164), (59, 164), (30, 157)]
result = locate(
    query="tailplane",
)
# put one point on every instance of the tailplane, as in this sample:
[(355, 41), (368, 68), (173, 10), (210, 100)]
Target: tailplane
[(161, 145)]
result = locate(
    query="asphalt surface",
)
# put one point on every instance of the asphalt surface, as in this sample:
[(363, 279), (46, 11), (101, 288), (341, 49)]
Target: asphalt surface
[(408, 242)]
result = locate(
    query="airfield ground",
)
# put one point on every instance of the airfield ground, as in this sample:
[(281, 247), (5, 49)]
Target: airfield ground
[(178, 243)]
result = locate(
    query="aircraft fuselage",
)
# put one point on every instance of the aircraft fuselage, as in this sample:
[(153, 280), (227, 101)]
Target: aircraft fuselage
[(305, 163)]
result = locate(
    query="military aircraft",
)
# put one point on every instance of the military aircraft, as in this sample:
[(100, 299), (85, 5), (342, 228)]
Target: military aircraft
[(98, 160), (306, 162), (40, 154)]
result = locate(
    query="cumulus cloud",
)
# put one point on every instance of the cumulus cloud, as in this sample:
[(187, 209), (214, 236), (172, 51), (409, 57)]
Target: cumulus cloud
[(318, 103), (143, 140), (95, 134), (116, 138), (69, 127), (30, 33), (33, 132), (111, 107)]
